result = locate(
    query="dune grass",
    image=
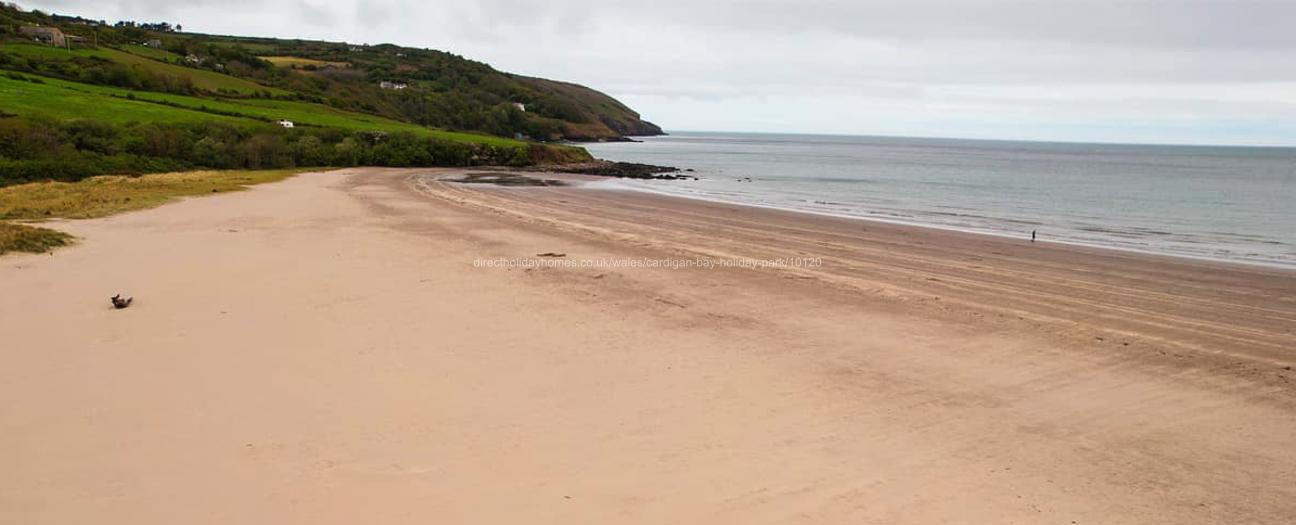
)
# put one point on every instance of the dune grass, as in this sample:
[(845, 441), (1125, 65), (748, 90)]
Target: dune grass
[(112, 194), (30, 239), (107, 195)]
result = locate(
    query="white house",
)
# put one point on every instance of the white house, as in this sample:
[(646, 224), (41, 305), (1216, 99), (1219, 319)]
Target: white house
[(286, 123), (520, 106), (387, 84)]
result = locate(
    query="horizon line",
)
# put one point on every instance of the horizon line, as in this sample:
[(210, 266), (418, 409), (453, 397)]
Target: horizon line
[(668, 132)]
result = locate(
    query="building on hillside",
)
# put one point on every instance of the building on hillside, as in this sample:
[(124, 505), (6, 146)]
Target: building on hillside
[(45, 35), (520, 106), (194, 59), (154, 43), (286, 123), (387, 84)]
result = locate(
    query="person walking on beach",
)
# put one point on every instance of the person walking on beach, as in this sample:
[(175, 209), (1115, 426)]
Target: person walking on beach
[(1032, 235)]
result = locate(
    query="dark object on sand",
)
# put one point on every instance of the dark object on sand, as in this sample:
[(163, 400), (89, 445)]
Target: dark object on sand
[(1032, 235), (551, 254), (119, 302)]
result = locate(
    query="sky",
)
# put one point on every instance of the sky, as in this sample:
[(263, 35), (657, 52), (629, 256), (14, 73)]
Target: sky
[(1146, 71)]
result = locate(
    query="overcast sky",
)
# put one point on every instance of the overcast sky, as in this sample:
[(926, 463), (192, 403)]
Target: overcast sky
[(1172, 71)]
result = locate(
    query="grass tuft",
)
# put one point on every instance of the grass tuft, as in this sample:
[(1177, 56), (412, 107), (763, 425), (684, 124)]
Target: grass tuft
[(30, 239)]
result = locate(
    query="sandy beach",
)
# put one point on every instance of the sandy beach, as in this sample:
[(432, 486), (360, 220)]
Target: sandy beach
[(348, 347)]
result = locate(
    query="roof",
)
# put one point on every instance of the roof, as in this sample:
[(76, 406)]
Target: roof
[(40, 30)]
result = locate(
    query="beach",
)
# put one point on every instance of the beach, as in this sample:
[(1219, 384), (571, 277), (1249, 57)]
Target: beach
[(379, 345)]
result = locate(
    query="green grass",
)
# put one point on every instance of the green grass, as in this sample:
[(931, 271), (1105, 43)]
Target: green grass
[(69, 101), (150, 52), (284, 61), (108, 195), (66, 100), (247, 45), (30, 239), (139, 57)]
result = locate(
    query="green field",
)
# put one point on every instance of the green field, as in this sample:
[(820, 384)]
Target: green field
[(70, 100), (284, 61), (246, 44), (153, 53), (146, 59)]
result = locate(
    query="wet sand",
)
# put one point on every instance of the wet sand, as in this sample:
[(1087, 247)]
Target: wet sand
[(324, 350)]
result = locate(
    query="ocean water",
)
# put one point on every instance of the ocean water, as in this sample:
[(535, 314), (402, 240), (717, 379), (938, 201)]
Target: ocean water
[(1223, 203)]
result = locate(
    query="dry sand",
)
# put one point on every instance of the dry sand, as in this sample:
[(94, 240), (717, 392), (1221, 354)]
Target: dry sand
[(323, 350)]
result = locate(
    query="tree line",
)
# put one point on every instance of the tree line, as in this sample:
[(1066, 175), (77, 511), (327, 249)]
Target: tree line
[(35, 149)]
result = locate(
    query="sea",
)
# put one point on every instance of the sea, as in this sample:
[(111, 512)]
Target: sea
[(1211, 202)]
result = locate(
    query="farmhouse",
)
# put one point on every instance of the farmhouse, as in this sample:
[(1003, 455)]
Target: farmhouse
[(154, 43), (520, 106), (286, 123), (387, 84), (47, 35)]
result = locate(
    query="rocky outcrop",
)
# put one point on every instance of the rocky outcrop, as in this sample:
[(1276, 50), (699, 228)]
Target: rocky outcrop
[(624, 170)]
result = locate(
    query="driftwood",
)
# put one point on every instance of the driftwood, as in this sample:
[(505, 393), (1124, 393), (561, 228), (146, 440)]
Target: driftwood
[(120, 302)]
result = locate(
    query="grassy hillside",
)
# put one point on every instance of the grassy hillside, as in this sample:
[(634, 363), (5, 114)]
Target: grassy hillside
[(445, 90), (106, 104), (37, 96), (601, 116), (153, 53), (40, 96), (151, 60)]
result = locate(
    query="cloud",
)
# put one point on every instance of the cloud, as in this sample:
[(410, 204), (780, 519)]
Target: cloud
[(1078, 68)]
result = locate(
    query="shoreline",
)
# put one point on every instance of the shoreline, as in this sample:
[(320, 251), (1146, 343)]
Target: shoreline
[(323, 349), (1105, 276), (1005, 235)]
